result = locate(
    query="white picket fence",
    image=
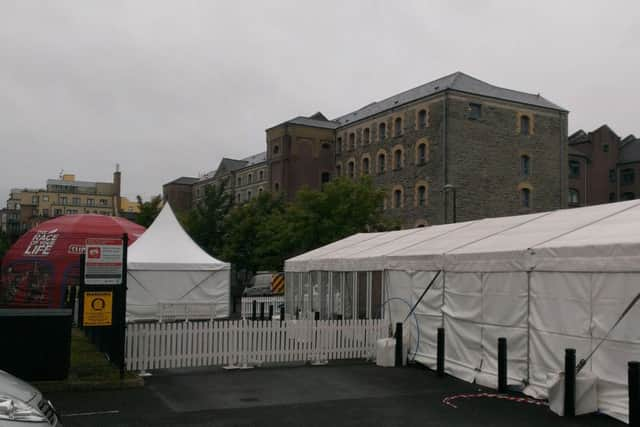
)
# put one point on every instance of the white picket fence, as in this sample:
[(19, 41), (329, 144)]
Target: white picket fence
[(247, 343), (247, 305)]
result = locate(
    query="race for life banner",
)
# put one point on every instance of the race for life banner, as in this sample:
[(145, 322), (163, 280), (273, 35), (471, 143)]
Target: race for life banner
[(103, 262)]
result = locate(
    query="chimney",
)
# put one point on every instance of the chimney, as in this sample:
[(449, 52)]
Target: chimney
[(117, 182)]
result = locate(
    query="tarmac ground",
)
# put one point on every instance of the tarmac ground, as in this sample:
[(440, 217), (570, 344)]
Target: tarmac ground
[(332, 395)]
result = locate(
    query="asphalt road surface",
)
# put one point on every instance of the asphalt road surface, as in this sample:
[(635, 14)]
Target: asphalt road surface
[(339, 395)]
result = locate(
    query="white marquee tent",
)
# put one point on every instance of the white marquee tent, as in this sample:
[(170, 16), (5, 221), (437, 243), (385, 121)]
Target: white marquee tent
[(170, 276), (546, 281)]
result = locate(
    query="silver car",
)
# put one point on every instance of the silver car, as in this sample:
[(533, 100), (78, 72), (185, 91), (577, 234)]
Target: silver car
[(22, 405)]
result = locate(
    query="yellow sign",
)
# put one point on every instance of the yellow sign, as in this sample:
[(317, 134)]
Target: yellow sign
[(97, 308), (277, 283)]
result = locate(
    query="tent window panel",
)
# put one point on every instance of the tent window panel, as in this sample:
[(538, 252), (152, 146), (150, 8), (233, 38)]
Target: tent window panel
[(376, 295), (306, 293), (288, 293), (336, 290), (362, 295), (315, 294), (324, 294), (349, 287)]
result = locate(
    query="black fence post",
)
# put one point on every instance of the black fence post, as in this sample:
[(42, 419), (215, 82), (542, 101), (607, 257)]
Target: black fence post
[(262, 311), (440, 353), (502, 365), (122, 315), (297, 313), (634, 393), (80, 321), (398, 336), (281, 314), (316, 315), (270, 311), (254, 306), (569, 382)]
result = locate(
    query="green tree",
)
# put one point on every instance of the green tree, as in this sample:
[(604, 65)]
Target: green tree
[(148, 210), (205, 222)]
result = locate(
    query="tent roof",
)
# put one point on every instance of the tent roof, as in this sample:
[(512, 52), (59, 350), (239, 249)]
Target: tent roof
[(166, 246), (494, 244)]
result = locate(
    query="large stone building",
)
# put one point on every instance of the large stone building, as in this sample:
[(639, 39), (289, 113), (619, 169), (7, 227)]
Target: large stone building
[(64, 196), (602, 167), (454, 149)]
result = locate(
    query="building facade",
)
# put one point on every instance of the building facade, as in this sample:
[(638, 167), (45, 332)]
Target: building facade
[(179, 193), (65, 196), (602, 167)]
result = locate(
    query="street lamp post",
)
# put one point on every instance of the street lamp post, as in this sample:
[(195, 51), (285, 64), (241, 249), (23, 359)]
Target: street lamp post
[(451, 188)]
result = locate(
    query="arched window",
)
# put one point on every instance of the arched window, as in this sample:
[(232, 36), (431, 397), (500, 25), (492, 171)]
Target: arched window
[(339, 145), (261, 175), (381, 163), (325, 177), (351, 167), (525, 124), (574, 196), (238, 197), (422, 153), (382, 131), (365, 166), (277, 186), (260, 190), (248, 195), (352, 141), (525, 197), (397, 198), (397, 127), (338, 170), (366, 136), (422, 119), (250, 178), (422, 196), (397, 159), (276, 149), (525, 165)]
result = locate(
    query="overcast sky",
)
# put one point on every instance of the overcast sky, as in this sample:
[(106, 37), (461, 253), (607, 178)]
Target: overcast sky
[(167, 88)]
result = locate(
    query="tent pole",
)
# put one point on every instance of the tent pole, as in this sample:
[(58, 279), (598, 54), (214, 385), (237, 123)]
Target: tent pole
[(528, 326)]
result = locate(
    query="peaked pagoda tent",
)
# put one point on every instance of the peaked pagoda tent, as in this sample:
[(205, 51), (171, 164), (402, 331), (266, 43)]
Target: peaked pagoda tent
[(170, 276), (545, 281)]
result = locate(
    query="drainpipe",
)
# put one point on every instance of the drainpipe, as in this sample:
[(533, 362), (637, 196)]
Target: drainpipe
[(564, 178), (445, 198)]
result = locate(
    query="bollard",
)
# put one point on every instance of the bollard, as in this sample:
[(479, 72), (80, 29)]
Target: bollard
[(281, 314), (570, 382), (634, 394), (262, 311), (254, 305), (502, 365), (398, 336), (297, 314), (316, 315), (440, 353), (270, 311)]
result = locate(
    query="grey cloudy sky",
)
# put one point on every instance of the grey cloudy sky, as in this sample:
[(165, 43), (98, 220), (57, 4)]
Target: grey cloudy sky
[(167, 88)]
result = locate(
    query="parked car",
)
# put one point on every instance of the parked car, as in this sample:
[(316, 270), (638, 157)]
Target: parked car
[(22, 405), (259, 286)]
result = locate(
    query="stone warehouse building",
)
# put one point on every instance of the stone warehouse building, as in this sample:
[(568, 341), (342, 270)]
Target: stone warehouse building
[(454, 149), (602, 167)]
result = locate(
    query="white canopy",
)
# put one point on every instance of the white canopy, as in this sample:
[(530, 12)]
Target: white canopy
[(166, 246), (170, 276)]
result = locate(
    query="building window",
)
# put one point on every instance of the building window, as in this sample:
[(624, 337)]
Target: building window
[(248, 195), (91, 202), (422, 196), (397, 127), (45, 212), (34, 200), (475, 111), (277, 186), (397, 198), (58, 212), (365, 166), (250, 178), (45, 198), (525, 197), (352, 141), (627, 176), (422, 119), (574, 169), (338, 170), (628, 196), (525, 125), (339, 145), (103, 202), (422, 153), (574, 196), (605, 148), (239, 181), (261, 175), (381, 163), (612, 175), (260, 190), (324, 177), (366, 136), (397, 159), (76, 201), (276, 149), (238, 197), (63, 200), (525, 166), (612, 197), (351, 168), (382, 131)]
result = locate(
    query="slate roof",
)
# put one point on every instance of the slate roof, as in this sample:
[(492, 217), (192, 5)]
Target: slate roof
[(183, 180), (575, 152), (629, 152), (578, 137), (457, 81), (256, 158)]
